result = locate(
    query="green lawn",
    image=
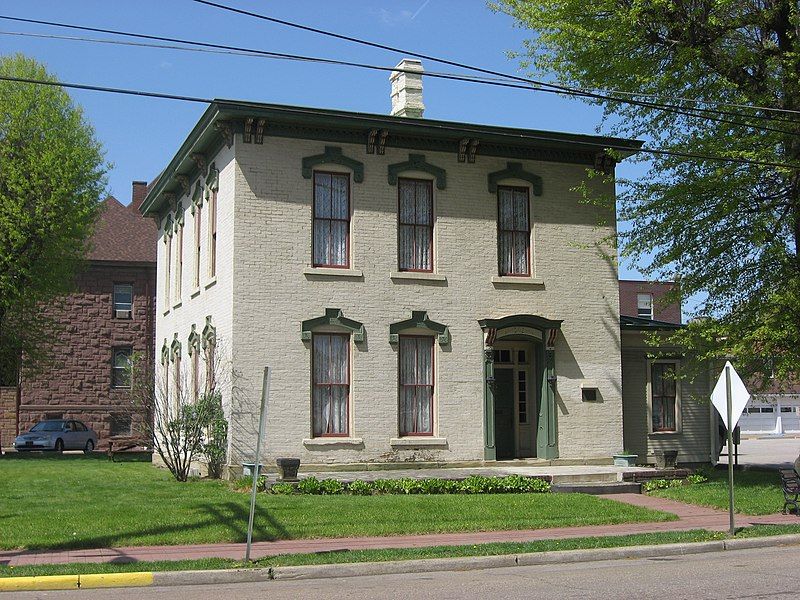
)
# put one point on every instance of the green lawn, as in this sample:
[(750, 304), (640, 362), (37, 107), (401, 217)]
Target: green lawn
[(79, 502), (755, 492)]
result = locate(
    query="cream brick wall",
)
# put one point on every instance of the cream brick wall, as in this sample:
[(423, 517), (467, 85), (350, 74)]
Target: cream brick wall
[(214, 295), (271, 296)]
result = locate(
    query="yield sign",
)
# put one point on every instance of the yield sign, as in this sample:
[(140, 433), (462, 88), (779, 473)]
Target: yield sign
[(739, 396)]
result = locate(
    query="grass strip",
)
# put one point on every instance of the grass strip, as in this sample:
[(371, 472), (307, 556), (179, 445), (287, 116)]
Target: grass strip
[(378, 555)]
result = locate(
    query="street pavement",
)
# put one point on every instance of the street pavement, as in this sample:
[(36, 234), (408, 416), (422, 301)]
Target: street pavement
[(768, 452), (756, 573)]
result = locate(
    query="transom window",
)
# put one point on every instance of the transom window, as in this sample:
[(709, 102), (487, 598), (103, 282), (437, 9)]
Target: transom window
[(514, 231), (331, 384), (416, 385), (120, 368), (415, 221), (644, 306), (663, 392), (331, 242)]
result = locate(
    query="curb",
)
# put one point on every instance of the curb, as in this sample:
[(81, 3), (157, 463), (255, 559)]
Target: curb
[(427, 565)]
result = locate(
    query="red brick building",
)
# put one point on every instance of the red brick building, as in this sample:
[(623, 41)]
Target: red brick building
[(109, 317), (645, 300)]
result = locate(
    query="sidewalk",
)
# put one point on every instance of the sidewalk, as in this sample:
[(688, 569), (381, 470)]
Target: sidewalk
[(689, 517)]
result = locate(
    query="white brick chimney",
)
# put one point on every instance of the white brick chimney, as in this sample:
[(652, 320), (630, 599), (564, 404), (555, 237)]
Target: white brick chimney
[(407, 89)]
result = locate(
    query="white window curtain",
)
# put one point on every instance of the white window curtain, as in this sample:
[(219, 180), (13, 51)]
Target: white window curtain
[(416, 225), (514, 231), (331, 219), (416, 385), (331, 358)]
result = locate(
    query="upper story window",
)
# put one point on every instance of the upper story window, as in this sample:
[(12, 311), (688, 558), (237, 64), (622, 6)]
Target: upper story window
[(513, 231), (120, 368), (416, 385), (644, 306), (415, 222), (664, 396), (123, 300), (331, 240), (178, 263), (212, 234), (330, 400), (198, 242)]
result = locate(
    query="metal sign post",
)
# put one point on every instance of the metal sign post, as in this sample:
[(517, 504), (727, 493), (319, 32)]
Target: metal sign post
[(729, 399), (256, 468)]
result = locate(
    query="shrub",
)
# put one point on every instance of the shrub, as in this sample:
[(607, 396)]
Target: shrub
[(696, 478), (359, 488), (310, 486), (283, 489)]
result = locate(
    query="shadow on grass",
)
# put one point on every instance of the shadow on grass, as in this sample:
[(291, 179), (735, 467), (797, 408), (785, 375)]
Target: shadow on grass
[(229, 514)]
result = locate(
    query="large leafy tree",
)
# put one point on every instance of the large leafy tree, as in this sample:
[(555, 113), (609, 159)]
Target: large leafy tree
[(52, 175), (727, 231)]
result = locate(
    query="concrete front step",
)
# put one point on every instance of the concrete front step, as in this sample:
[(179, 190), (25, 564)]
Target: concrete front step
[(598, 488)]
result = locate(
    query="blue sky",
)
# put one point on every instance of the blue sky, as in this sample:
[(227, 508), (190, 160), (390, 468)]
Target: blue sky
[(141, 135)]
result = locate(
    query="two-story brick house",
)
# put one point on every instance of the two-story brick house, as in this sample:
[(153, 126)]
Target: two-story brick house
[(109, 316), (422, 290)]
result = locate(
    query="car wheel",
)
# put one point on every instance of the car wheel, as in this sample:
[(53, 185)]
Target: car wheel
[(87, 449), (59, 447)]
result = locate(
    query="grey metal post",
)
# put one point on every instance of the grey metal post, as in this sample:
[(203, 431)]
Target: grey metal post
[(261, 423), (730, 448)]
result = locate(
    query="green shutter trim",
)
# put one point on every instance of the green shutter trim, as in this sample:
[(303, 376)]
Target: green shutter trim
[(212, 180), (165, 352), (419, 319), (175, 348), (194, 341), (514, 170), (416, 162), (209, 333), (333, 155), (197, 195), (489, 448), (333, 317), (547, 434)]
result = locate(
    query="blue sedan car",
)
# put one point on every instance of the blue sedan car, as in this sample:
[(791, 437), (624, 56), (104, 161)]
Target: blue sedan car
[(58, 435)]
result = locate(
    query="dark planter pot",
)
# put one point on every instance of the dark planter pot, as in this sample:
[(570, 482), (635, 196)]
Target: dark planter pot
[(287, 468), (667, 459)]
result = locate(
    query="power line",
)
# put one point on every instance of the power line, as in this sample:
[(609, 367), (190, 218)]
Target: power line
[(455, 128), (452, 77), (452, 63)]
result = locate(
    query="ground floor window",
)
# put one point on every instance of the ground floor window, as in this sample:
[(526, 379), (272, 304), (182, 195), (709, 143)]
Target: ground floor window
[(664, 396), (416, 385), (331, 384)]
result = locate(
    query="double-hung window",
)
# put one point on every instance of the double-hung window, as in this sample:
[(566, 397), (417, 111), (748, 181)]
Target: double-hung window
[(212, 234), (415, 222), (644, 306), (123, 300), (120, 368), (664, 396), (416, 385), (198, 220), (331, 241), (331, 384), (513, 231)]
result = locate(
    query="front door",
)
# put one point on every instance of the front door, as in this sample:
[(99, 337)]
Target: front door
[(515, 407)]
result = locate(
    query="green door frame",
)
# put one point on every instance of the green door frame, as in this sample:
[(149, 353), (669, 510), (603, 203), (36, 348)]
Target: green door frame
[(547, 432)]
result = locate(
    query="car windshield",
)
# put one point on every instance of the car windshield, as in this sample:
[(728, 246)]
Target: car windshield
[(48, 426)]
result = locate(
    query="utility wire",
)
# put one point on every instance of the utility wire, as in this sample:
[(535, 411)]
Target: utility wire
[(565, 89), (439, 125), (471, 79)]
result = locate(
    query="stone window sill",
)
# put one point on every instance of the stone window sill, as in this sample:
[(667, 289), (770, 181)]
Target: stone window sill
[(166, 312), (323, 442), (504, 280), (417, 276), (212, 282), (417, 442), (195, 293), (328, 272), (664, 433), (177, 305)]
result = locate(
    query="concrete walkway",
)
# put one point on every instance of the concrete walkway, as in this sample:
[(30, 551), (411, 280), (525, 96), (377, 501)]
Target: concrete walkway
[(689, 517)]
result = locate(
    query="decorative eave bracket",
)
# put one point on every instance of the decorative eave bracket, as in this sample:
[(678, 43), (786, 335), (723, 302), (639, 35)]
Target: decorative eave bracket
[(376, 141), (333, 318)]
